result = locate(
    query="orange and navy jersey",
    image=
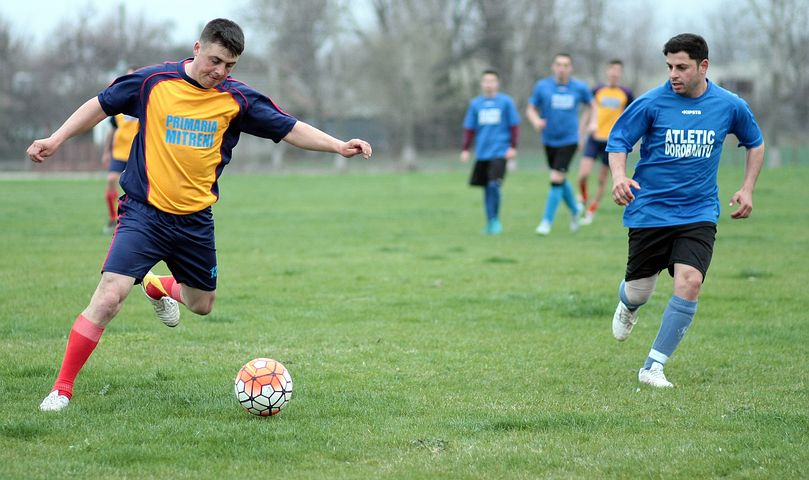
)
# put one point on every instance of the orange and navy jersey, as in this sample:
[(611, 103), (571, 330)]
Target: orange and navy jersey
[(187, 133), (126, 128), (611, 102)]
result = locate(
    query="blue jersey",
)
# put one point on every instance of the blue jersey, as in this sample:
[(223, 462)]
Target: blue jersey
[(679, 155), (559, 106), (491, 118)]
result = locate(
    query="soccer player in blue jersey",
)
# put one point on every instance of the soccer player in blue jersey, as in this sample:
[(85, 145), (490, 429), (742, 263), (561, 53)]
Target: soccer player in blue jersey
[(493, 122), (672, 200), (191, 114), (553, 109)]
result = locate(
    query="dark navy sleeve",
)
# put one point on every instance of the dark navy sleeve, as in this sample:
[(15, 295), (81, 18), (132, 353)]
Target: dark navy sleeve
[(262, 117), (123, 95)]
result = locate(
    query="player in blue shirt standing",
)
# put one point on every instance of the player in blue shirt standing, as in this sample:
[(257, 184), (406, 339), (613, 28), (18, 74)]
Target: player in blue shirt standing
[(672, 201), (554, 110), (493, 119)]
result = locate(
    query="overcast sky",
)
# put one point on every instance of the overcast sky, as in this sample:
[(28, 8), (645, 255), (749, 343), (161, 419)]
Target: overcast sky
[(40, 17)]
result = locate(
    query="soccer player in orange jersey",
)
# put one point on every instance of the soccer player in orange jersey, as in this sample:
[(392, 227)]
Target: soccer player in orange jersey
[(612, 98), (116, 153), (191, 114)]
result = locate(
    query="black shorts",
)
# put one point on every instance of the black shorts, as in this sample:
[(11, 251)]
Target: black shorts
[(486, 171), (653, 249), (559, 158), (597, 149)]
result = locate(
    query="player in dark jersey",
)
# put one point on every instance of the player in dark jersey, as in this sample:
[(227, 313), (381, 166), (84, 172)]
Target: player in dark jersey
[(191, 115), (672, 200)]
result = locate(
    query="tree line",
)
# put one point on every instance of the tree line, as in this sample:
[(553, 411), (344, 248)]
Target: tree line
[(404, 70)]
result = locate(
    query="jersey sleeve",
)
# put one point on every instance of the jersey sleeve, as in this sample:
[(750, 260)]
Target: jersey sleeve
[(263, 118), (513, 114), (123, 95), (536, 96), (745, 127), (470, 119), (633, 123)]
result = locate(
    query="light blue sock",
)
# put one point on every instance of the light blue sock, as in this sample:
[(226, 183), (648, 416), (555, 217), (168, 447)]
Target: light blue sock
[(554, 197), (676, 320), (625, 300), (492, 193), (570, 197)]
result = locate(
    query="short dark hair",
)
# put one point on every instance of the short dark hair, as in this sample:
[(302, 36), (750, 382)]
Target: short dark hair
[(491, 71), (563, 54), (695, 46), (615, 61), (224, 32)]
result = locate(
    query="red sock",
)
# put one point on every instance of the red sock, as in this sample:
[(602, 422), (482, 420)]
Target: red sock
[(80, 344), (169, 285), (593, 207), (583, 188), (112, 200)]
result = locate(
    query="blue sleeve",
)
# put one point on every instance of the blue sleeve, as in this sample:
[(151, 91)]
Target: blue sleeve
[(263, 118), (470, 119), (123, 95), (745, 127), (514, 115), (633, 123), (536, 97)]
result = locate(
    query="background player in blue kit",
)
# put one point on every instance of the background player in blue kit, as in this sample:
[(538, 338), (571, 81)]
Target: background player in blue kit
[(553, 109), (492, 120), (672, 201), (191, 113)]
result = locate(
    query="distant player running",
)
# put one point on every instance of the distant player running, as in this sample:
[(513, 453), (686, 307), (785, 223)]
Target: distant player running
[(611, 99), (116, 154), (672, 201), (553, 109), (493, 122), (191, 115)]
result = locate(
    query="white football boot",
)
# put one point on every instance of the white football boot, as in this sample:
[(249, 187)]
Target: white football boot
[(622, 322), (167, 308), (544, 228), (654, 376), (54, 402)]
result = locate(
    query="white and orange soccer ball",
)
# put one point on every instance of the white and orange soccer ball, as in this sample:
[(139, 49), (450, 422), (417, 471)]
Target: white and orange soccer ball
[(263, 386)]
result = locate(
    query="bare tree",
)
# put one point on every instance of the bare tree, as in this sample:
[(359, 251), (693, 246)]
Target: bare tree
[(785, 24)]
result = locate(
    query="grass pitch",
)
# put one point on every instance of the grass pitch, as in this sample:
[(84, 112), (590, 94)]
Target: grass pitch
[(419, 347)]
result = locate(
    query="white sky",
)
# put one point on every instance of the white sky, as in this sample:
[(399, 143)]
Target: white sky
[(37, 18)]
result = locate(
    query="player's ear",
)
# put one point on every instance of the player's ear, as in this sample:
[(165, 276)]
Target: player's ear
[(197, 48)]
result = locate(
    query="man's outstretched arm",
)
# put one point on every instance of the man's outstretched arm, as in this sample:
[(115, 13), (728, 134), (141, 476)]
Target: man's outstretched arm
[(308, 137), (84, 118)]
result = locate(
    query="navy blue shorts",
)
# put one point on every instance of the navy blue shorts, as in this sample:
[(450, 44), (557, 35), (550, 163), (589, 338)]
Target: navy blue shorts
[(117, 166), (146, 235), (597, 149)]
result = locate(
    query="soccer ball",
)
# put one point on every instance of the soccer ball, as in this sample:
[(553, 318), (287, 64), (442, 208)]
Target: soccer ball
[(263, 387)]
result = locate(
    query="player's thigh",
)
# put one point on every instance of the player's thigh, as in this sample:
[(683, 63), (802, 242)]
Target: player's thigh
[(586, 166), (140, 241), (693, 246), (192, 260), (648, 253)]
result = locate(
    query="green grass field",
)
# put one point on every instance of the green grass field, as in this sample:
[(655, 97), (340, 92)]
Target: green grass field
[(419, 347)]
